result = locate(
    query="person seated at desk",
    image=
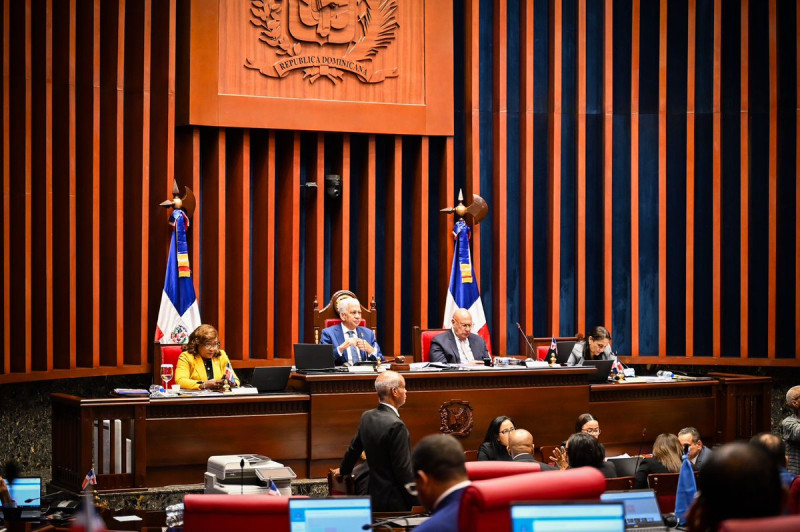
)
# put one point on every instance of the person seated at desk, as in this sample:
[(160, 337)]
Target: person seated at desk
[(203, 365), (586, 424), (596, 346), (520, 447), (495, 443), (440, 477), (353, 343), (584, 450), (697, 451), (459, 345), (667, 453)]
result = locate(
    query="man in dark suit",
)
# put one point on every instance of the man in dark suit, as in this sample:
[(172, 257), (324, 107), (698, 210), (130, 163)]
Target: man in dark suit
[(353, 343), (520, 447), (459, 345), (384, 438), (698, 453), (441, 478)]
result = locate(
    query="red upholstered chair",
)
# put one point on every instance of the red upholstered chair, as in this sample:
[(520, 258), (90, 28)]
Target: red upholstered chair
[(421, 342), (783, 523), (328, 316), (211, 513), (485, 503), (794, 496), (167, 354), (495, 469), (541, 352)]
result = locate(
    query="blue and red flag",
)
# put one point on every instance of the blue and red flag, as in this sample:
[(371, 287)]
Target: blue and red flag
[(273, 489), (463, 291), (179, 313), (90, 478)]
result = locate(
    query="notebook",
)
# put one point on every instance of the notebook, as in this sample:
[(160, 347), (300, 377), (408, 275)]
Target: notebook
[(271, 379), (313, 357), (575, 516), (603, 370), (335, 514), (27, 493), (641, 509)]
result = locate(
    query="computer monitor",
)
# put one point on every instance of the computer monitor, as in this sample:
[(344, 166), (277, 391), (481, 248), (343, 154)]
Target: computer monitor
[(576, 516), (335, 514), (641, 507), (24, 489)]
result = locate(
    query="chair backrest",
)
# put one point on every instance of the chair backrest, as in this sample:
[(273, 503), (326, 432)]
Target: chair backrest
[(620, 483), (485, 503), (541, 352), (203, 512), (421, 342), (547, 452), (341, 484), (496, 469), (470, 456), (665, 485), (165, 354), (782, 523), (328, 315), (794, 496)]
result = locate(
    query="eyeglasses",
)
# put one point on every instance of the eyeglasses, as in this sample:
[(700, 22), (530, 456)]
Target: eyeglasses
[(211, 345), (411, 488), (507, 431), (591, 431)]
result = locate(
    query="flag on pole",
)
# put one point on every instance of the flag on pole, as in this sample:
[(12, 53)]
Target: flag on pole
[(89, 479), (463, 291), (179, 313), (87, 520), (687, 489), (273, 489)]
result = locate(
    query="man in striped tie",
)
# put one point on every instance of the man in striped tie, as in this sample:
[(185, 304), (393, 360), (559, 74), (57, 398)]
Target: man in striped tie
[(353, 343)]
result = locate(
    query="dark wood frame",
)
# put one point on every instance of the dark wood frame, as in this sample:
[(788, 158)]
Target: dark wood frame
[(329, 312)]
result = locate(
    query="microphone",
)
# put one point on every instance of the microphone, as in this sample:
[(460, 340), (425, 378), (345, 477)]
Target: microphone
[(639, 454), (43, 496), (241, 477), (532, 350)]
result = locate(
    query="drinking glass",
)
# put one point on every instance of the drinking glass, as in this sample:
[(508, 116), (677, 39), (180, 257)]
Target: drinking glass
[(167, 371)]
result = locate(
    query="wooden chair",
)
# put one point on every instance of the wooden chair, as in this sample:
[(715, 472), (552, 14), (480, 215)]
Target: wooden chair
[(341, 484), (470, 456), (546, 452), (421, 342), (665, 485), (328, 316), (620, 483), (165, 354)]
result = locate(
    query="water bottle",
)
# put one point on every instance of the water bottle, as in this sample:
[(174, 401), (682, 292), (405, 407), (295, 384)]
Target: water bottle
[(665, 374), (174, 515)]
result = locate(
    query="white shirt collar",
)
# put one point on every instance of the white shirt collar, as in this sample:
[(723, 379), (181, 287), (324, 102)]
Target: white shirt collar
[(345, 330), (392, 407), (450, 490)]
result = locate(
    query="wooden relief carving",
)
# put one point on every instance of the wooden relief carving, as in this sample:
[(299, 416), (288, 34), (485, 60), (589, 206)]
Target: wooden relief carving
[(326, 39), (456, 418)]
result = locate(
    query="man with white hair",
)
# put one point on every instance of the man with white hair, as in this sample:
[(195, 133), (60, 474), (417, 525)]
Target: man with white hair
[(790, 430), (353, 343), (384, 438)]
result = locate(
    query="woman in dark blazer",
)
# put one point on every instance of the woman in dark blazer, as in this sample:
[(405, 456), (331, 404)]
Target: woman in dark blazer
[(495, 443), (584, 450), (666, 458)]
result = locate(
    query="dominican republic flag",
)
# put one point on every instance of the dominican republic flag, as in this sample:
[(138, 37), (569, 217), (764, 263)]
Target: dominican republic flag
[(463, 292), (273, 489), (89, 479), (179, 314)]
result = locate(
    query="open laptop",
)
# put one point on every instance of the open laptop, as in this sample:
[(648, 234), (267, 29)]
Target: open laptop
[(313, 357), (603, 370), (335, 514), (564, 349), (641, 509), (626, 467), (269, 379), (27, 493), (575, 516)]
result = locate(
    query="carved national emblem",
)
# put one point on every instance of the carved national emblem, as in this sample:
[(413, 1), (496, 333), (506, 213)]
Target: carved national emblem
[(326, 38), (456, 417), (179, 334)]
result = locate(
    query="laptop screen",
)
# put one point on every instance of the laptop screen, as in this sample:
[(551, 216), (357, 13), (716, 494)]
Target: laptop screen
[(339, 514), (641, 506), (575, 516), (23, 489)]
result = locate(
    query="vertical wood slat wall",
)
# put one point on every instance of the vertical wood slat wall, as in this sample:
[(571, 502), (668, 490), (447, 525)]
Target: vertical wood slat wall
[(90, 148)]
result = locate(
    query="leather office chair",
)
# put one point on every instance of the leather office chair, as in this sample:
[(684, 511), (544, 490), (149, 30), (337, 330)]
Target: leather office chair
[(782, 523), (212, 512), (495, 469), (166, 354), (328, 315), (485, 503), (421, 342)]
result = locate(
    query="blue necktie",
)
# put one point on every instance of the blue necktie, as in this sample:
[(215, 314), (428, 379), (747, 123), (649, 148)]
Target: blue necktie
[(353, 357)]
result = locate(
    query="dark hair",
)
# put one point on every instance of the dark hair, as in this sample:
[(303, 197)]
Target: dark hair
[(690, 430), (584, 450), (773, 445), (583, 419), (493, 432), (735, 473), (597, 333), (201, 335), (440, 456)]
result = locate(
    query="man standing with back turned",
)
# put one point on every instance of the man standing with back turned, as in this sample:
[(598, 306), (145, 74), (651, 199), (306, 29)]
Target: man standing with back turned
[(387, 443)]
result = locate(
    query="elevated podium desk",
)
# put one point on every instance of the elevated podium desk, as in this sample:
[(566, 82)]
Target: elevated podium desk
[(139, 442)]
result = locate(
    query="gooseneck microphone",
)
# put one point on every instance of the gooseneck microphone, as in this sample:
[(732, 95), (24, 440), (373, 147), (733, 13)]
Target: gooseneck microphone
[(639, 454), (532, 350), (43, 496)]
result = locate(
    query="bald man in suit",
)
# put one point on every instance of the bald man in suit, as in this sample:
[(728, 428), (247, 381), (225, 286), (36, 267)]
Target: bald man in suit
[(459, 345)]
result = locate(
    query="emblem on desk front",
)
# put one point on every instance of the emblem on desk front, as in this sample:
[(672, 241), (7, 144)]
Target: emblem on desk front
[(456, 418), (324, 38)]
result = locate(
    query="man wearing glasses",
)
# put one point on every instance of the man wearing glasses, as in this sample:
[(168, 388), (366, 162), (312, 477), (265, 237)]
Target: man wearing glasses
[(384, 438)]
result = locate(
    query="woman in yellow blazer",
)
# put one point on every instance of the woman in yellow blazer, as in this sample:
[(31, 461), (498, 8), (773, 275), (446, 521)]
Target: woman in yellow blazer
[(202, 365)]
